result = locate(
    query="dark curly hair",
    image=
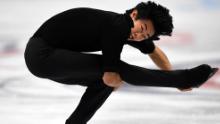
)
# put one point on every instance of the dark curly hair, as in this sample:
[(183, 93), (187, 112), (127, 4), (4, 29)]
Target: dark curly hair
[(159, 15)]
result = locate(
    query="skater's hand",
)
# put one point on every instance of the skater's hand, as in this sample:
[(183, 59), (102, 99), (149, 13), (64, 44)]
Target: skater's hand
[(112, 79)]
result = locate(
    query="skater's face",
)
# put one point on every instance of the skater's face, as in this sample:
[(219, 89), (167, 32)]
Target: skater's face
[(143, 29)]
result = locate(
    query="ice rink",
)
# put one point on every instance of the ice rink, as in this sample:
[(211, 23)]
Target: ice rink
[(26, 99)]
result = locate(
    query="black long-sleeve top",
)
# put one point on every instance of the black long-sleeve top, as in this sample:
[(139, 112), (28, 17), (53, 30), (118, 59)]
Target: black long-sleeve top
[(89, 30)]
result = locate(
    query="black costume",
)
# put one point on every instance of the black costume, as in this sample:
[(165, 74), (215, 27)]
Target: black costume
[(55, 52)]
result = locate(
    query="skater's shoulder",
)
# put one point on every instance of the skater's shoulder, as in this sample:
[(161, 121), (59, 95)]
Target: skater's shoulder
[(89, 10)]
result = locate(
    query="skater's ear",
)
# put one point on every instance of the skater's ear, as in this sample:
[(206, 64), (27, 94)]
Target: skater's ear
[(134, 14)]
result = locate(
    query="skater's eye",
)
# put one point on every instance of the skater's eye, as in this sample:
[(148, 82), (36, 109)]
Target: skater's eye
[(145, 26), (142, 29)]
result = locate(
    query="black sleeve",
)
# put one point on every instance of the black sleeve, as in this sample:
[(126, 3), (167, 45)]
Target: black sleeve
[(145, 46), (111, 49)]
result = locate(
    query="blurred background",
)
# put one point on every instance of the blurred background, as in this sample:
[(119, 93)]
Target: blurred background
[(26, 99)]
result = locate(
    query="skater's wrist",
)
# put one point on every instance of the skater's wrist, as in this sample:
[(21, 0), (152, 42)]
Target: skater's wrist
[(160, 59), (166, 67)]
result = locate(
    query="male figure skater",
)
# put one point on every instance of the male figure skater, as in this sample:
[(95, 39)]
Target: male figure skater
[(58, 51)]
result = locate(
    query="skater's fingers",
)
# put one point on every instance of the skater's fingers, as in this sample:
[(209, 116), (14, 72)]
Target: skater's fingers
[(111, 78), (114, 84)]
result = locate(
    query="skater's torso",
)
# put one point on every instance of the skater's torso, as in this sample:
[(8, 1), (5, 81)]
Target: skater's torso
[(85, 29), (89, 29)]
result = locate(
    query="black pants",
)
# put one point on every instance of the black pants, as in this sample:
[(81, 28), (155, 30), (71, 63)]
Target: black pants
[(69, 67)]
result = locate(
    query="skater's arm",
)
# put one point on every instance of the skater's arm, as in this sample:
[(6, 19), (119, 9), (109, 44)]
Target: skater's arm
[(160, 59)]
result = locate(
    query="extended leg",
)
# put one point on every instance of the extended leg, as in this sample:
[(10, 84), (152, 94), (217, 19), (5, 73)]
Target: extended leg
[(182, 78), (136, 75)]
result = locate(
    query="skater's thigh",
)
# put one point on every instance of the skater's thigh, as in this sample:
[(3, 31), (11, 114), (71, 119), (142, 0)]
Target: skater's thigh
[(62, 62)]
